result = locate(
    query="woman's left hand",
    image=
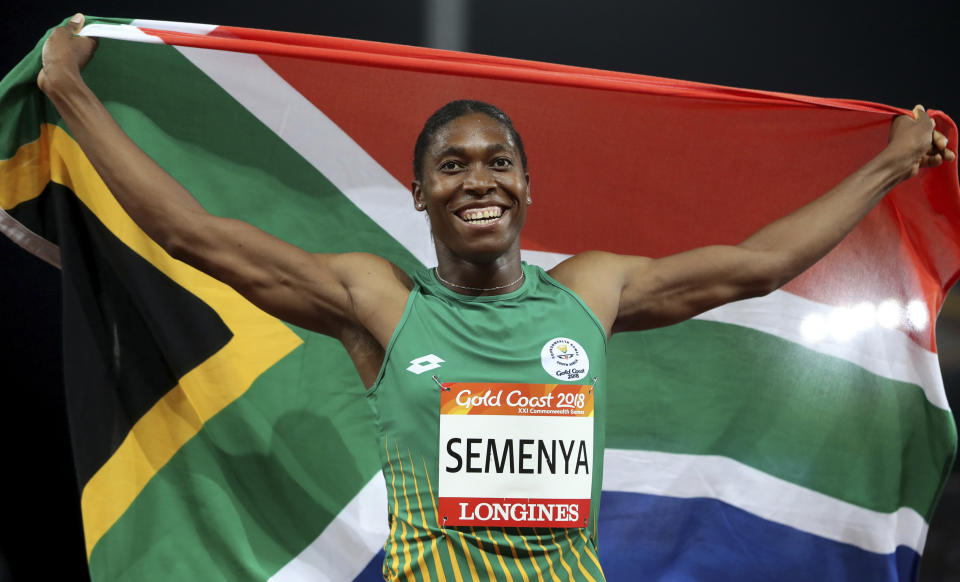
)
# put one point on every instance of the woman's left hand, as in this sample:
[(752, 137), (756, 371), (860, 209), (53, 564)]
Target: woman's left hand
[(916, 139)]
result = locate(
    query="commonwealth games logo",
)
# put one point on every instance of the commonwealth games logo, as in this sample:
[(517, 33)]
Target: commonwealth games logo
[(564, 359)]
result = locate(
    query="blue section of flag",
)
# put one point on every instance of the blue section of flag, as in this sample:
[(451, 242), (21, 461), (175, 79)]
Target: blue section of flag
[(667, 539), (373, 572)]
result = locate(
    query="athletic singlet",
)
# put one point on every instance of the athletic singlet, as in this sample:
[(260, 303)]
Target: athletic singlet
[(511, 339)]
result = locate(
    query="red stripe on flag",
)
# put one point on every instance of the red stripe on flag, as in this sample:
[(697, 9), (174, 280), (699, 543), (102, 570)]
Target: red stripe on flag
[(641, 165), (368, 53), (651, 175)]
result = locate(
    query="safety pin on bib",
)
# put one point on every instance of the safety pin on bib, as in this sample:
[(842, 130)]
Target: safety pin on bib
[(440, 384)]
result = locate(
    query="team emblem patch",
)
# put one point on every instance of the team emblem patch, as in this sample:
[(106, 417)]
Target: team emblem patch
[(564, 359)]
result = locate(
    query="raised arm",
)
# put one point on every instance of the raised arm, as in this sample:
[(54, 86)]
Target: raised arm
[(331, 294), (639, 293)]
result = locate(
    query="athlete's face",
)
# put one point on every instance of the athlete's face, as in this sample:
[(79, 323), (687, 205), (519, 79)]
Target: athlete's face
[(474, 188)]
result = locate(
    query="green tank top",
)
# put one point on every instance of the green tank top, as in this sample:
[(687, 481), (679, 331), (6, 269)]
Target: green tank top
[(539, 337)]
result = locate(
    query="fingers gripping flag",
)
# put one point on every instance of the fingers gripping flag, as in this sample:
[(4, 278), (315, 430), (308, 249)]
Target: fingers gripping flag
[(801, 436)]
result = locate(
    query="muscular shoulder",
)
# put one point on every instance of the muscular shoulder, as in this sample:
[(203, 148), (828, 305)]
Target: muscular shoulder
[(366, 270), (598, 277), (596, 269), (377, 290)]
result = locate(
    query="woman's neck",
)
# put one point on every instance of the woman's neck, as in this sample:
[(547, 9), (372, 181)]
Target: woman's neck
[(502, 275)]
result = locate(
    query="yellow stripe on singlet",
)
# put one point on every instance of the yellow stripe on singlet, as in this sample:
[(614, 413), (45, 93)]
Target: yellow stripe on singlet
[(513, 550), (590, 551), (405, 565), (533, 559), (563, 561), (423, 520), (583, 570), (483, 555), (407, 560), (496, 548), (393, 522), (546, 554), (446, 537), (466, 550), (416, 488)]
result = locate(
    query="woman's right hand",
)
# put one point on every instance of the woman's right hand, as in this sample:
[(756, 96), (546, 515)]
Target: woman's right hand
[(65, 54)]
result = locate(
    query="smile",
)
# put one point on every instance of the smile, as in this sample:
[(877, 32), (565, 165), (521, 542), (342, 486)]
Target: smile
[(481, 216)]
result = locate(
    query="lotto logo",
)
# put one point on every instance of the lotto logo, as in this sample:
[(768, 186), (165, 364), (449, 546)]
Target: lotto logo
[(424, 364)]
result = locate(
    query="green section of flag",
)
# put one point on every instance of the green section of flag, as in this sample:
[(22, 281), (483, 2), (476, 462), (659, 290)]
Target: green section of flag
[(812, 419), (233, 164), (22, 104), (258, 484)]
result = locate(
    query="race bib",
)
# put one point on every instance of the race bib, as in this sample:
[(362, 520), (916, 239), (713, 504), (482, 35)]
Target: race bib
[(515, 455)]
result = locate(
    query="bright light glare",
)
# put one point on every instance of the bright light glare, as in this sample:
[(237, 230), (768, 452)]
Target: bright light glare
[(842, 324), (889, 314), (813, 328), (864, 316), (917, 314)]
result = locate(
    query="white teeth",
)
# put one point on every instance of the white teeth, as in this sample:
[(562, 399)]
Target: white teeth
[(482, 215)]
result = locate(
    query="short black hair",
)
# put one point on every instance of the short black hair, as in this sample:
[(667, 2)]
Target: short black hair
[(454, 110)]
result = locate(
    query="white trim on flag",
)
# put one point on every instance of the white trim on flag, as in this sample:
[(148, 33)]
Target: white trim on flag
[(889, 353), (543, 259), (172, 26), (119, 32), (347, 544), (132, 32), (324, 145), (763, 495)]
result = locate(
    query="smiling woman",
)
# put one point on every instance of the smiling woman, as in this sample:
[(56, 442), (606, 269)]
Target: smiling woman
[(472, 180), (512, 328)]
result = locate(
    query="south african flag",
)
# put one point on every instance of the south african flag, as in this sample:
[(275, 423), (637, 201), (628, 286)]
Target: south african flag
[(801, 436)]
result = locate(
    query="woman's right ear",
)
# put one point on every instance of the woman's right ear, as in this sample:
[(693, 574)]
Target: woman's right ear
[(418, 202)]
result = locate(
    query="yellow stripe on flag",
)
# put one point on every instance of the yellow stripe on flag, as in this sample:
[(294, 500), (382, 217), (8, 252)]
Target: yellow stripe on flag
[(24, 176), (259, 340)]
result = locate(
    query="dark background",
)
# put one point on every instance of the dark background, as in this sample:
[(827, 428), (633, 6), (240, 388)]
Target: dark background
[(901, 53)]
